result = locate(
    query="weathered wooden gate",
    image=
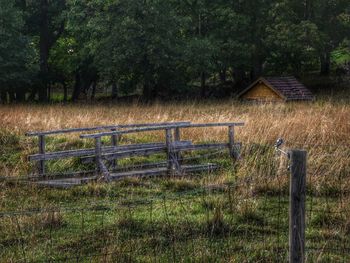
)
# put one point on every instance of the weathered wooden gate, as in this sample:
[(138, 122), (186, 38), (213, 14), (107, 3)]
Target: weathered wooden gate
[(106, 157)]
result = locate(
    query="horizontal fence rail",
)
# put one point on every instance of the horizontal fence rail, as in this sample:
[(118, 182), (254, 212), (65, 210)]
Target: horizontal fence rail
[(163, 127), (108, 127)]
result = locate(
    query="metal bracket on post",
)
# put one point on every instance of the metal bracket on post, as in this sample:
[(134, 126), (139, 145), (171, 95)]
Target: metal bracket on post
[(278, 150), (278, 144)]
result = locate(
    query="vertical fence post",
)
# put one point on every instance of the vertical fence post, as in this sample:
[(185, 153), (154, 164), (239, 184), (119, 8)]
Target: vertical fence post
[(177, 138), (168, 142), (114, 141), (97, 154), (41, 165), (231, 140), (297, 206)]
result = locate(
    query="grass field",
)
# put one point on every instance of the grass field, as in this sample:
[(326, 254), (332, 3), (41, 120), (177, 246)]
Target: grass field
[(236, 214)]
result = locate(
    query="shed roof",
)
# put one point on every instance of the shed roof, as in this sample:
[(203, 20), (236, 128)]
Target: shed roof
[(289, 88)]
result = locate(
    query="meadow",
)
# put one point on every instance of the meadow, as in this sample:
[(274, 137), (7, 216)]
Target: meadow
[(236, 214)]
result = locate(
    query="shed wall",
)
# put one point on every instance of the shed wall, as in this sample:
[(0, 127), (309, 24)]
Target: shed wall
[(261, 92)]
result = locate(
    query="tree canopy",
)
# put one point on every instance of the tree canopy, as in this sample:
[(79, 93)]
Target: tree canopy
[(165, 49)]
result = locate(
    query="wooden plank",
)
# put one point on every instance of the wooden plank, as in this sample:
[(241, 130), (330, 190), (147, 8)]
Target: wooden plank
[(215, 124), (148, 172), (204, 146), (297, 206), (161, 127), (108, 127), (162, 171), (154, 150), (89, 152), (136, 130), (61, 154), (52, 176), (64, 175), (130, 153), (66, 182), (71, 182)]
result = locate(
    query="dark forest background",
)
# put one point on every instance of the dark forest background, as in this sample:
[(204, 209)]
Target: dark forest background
[(80, 49)]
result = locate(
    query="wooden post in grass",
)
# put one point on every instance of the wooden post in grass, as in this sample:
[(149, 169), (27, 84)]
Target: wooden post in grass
[(97, 154), (114, 141), (231, 140), (41, 165), (168, 143), (297, 206), (177, 138)]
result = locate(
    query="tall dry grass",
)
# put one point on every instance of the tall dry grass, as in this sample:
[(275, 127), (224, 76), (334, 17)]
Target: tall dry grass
[(302, 125), (318, 123)]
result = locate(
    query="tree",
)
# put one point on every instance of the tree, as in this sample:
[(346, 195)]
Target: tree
[(332, 19), (17, 60), (134, 42), (45, 20), (234, 48), (63, 62), (304, 30), (291, 39), (164, 48)]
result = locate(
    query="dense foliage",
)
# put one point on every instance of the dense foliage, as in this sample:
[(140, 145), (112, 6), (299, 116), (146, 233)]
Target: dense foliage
[(164, 49)]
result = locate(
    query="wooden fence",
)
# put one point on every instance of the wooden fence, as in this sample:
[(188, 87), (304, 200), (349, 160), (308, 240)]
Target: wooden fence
[(43, 155), (106, 157)]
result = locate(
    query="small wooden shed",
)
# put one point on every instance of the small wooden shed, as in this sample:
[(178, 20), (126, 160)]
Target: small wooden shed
[(276, 89)]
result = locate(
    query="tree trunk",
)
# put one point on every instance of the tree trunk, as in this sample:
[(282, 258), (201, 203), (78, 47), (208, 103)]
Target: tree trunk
[(44, 45), (114, 90), (239, 76), (32, 94), (308, 11), (203, 89), (20, 95), (325, 61), (222, 75), (12, 96), (65, 91), (49, 92), (77, 87), (93, 92), (3, 97), (147, 91)]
